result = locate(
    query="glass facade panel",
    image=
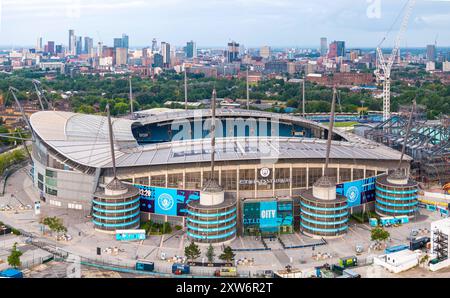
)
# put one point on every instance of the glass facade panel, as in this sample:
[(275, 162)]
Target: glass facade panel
[(298, 178), (158, 181), (193, 181), (175, 181), (229, 180), (282, 178), (247, 179)]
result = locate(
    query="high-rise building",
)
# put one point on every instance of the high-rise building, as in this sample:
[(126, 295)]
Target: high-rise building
[(51, 47), (121, 56), (337, 49), (165, 52), (446, 66), (125, 41), (265, 52), (323, 46), (118, 43), (59, 49), (232, 52), (154, 45), (191, 50), (39, 44), (100, 49), (72, 41), (79, 45), (88, 46), (158, 60), (431, 53)]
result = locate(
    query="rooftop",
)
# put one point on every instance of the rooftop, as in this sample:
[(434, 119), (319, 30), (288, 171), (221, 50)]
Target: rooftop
[(84, 139)]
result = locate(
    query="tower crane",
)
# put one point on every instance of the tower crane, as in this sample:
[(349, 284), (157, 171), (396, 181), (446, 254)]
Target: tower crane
[(384, 66), (40, 93)]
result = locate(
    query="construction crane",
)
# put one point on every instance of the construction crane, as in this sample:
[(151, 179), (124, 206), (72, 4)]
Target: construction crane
[(40, 93), (384, 66)]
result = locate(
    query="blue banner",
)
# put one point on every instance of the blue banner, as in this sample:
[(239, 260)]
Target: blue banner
[(358, 192), (166, 201), (268, 214)]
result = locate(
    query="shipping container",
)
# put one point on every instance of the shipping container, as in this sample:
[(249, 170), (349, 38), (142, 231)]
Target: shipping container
[(397, 248), (226, 272), (143, 265), (181, 269), (351, 273), (348, 262), (419, 243)]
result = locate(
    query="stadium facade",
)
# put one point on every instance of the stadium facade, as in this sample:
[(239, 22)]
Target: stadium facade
[(259, 157)]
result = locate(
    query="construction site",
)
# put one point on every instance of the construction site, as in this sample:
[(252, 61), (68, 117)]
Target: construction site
[(428, 144)]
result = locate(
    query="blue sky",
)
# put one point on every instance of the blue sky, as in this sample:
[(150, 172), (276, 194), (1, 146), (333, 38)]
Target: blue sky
[(215, 22)]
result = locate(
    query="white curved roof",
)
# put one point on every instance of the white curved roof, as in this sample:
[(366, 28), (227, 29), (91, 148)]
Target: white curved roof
[(84, 139)]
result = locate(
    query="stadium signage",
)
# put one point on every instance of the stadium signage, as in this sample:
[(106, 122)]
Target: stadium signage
[(264, 181)]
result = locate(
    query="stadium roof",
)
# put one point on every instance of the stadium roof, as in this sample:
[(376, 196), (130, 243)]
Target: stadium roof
[(84, 140)]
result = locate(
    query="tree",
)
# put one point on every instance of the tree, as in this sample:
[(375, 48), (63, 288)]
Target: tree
[(210, 254), (379, 235), (55, 224), (227, 255), (192, 251), (14, 257)]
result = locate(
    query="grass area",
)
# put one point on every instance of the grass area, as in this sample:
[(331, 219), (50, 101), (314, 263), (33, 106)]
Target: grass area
[(345, 124), (154, 228), (364, 217)]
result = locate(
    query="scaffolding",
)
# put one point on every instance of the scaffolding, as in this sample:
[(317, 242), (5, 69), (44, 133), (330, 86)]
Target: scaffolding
[(428, 144), (440, 242)]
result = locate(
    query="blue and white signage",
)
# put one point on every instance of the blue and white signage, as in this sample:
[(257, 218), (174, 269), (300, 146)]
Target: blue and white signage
[(358, 192)]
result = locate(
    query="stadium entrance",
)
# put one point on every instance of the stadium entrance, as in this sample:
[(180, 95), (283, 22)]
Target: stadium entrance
[(267, 218)]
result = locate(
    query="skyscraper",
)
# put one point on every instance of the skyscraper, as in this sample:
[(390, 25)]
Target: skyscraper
[(191, 50), (165, 52), (88, 46), (323, 46), (125, 41), (431, 52), (265, 52), (233, 52), (51, 47), (337, 49), (72, 41), (39, 44), (79, 45), (118, 43), (154, 46)]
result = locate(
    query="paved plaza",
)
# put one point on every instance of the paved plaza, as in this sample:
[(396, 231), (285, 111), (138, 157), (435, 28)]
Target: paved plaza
[(86, 241)]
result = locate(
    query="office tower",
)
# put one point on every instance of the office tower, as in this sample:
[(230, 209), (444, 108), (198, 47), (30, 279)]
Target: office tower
[(125, 41), (39, 44), (79, 45), (431, 53), (154, 46), (88, 46), (233, 52), (158, 60), (100, 49), (337, 49), (72, 41), (165, 52), (265, 52), (121, 56), (51, 47), (118, 43), (59, 49), (191, 50), (323, 46)]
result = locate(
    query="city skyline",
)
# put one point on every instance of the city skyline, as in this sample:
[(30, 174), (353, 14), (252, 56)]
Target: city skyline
[(285, 23)]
